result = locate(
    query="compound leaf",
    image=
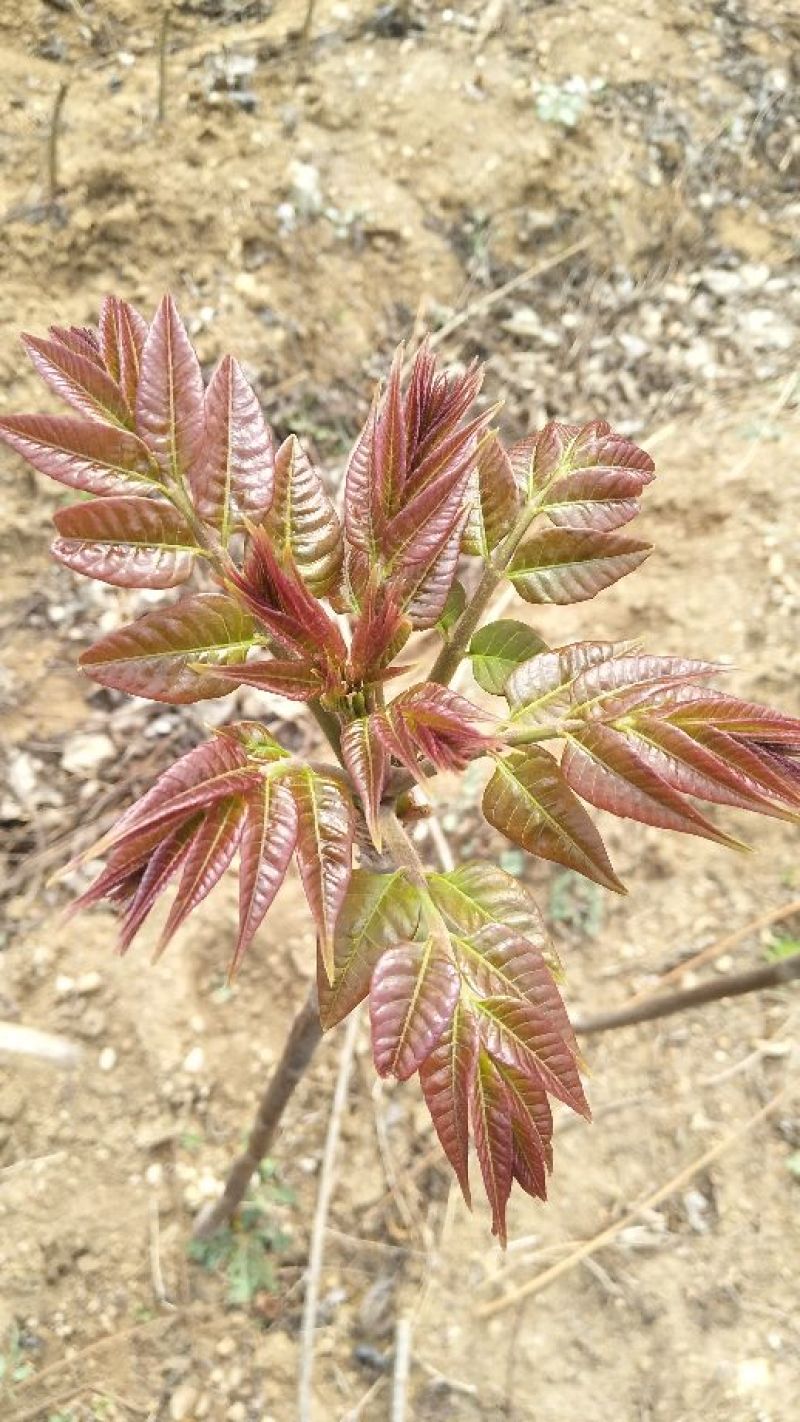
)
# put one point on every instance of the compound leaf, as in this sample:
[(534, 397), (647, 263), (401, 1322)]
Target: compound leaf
[(79, 380), (268, 840), (303, 523)]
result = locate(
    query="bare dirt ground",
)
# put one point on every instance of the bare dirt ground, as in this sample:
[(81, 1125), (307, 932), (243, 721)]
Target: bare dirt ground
[(309, 205)]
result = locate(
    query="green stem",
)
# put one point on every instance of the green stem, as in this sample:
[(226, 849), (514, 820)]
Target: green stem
[(451, 655)]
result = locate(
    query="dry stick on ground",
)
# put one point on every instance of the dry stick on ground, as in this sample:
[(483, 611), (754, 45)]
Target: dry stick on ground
[(590, 1246), (734, 985), (163, 39), (402, 1367), (53, 185), (303, 1038), (721, 945), (324, 1193)]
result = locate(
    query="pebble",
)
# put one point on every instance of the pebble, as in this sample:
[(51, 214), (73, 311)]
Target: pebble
[(182, 1402), (195, 1060), (107, 1059), (226, 1347), (82, 986), (86, 751)]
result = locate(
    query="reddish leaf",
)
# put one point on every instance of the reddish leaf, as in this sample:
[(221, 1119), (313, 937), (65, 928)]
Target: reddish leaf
[(602, 767), (82, 340), (528, 800), (367, 764), (380, 631), (529, 1106), (160, 869), (692, 708), (440, 485), (276, 595), (153, 656), (564, 565), (524, 1037), (495, 499), (297, 680), (78, 380), (82, 453), (213, 771), (379, 911), (584, 501), (390, 439), (494, 1142), (324, 851), (235, 478), (364, 518), (133, 543), (446, 1077), (426, 585), (501, 963), (624, 682), (169, 405), (540, 690), (210, 853), (559, 452), (268, 840), (303, 524), (476, 894), (413, 995), (122, 334), (716, 767), (441, 724)]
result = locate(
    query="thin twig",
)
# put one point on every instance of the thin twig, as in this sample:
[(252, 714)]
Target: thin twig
[(590, 1246), (402, 1367), (308, 24), (484, 303), (53, 185), (326, 1180), (785, 970), (154, 1250), (163, 40), (720, 946), (45, 1046)]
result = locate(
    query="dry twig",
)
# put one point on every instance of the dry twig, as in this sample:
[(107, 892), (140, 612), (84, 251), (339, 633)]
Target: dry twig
[(590, 1246), (326, 1179)]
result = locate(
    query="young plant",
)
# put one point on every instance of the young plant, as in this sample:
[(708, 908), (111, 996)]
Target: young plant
[(289, 596)]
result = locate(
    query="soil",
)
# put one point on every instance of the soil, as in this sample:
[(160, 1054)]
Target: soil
[(310, 204)]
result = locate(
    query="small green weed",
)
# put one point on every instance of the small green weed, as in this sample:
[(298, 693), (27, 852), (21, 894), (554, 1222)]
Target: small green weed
[(244, 1252)]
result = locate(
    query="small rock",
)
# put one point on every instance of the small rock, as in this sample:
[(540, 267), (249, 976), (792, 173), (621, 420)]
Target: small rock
[(107, 1059), (226, 1347), (195, 1060), (237, 1412), (181, 1404), (85, 752)]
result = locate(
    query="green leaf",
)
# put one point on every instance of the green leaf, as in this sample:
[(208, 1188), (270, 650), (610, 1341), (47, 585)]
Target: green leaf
[(498, 649), (529, 801), (379, 911), (781, 948), (453, 608)]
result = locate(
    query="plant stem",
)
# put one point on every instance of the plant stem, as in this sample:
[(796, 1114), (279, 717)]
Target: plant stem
[(734, 985), (301, 1043)]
